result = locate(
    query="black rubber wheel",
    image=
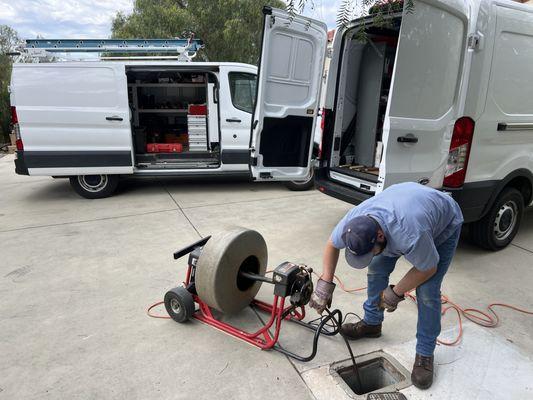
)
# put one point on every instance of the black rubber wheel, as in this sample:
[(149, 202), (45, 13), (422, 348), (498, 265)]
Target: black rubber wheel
[(499, 226), (179, 304), (300, 186), (217, 271), (94, 186)]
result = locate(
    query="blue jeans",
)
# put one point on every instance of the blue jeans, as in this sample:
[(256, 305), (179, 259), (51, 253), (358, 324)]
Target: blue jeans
[(428, 294)]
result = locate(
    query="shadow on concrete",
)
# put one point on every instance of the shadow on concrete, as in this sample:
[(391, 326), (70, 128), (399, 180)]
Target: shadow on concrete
[(198, 185), (56, 189)]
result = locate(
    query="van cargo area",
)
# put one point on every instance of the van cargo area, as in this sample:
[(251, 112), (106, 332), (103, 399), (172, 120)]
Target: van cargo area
[(170, 119), (366, 70)]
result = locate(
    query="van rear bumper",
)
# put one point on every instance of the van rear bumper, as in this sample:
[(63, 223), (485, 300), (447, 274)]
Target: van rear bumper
[(345, 193), (20, 164), (474, 198)]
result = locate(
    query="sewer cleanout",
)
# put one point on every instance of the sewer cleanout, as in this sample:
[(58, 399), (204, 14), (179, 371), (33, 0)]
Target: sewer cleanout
[(378, 373)]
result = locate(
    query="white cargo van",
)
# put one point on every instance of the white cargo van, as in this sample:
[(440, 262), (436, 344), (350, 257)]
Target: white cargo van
[(442, 96), (94, 121)]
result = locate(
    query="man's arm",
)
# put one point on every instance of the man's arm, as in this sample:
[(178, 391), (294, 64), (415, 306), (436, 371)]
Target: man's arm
[(412, 279), (331, 256)]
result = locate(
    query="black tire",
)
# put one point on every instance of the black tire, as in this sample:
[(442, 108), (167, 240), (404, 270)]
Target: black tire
[(179, 304), (94, 186), (217, 271), (300, 186), (499, 226)]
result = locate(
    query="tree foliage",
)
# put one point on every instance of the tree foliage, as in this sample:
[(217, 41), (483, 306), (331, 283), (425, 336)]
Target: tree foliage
[(230, 29), (8, 40)]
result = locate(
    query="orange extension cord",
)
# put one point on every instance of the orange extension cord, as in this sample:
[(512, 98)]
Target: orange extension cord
[(476, 316)]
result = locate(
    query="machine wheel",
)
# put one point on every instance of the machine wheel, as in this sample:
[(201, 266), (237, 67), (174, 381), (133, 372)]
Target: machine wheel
[(179, 304), (94, 186), (217, 271), (300, 186), (499, 226)]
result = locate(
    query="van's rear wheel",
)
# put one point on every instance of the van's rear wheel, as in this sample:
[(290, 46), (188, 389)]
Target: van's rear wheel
[(300, 186), (499, 226), (94, 186)]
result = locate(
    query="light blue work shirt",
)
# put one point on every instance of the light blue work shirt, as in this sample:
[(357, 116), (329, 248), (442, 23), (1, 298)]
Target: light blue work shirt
[(414, 218)]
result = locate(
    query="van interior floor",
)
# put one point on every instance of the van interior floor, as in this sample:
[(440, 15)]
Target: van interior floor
[(358, 171), (186, 160)]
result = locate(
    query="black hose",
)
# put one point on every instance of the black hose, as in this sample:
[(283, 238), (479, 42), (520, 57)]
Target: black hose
[(320, 330)]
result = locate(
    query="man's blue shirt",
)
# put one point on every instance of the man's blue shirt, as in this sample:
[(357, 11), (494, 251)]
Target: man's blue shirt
[(414, 218)]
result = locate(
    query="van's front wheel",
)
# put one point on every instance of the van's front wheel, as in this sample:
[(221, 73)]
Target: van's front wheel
[(94, 186), (499, 226)]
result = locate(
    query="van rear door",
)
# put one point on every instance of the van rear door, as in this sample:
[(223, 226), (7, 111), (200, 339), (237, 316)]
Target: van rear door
[(74, 118), (288, 90), (423, 106)]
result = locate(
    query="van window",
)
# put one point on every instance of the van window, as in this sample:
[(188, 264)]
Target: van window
[(94, 87), (428, 63), (513, 79), (242, 87)]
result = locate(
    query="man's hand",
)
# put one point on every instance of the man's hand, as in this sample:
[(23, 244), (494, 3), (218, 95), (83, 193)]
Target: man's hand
[(388, 299), (321, 297)]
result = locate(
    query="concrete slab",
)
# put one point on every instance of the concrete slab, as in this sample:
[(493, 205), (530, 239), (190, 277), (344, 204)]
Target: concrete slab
[(76, 277), (74, 324), (484, 366), (204, 192)]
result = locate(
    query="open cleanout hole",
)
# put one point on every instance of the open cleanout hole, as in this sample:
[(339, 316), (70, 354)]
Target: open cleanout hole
[(378, 372), (250, 265), (375, 374)]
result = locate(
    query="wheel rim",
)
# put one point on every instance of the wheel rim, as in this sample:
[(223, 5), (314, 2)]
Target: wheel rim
[(93, 183), (505, 221), (175, 306)]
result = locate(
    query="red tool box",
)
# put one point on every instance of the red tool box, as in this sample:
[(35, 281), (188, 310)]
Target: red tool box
[(164, 148), (197, 109)]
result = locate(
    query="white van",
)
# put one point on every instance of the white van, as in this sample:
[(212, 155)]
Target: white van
[(94, 121), (442, 96)]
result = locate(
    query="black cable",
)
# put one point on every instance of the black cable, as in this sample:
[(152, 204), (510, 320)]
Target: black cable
[(354, 364), (318, 331)]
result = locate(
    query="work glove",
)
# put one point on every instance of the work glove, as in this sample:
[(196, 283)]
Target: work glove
[(321, 297), (388, 299)]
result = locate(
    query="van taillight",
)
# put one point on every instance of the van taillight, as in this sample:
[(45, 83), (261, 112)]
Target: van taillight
[(14, 118), (16, 128), (463, 132), (322, 125)]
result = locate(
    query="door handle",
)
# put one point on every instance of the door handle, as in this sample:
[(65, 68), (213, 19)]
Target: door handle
[(114, 118), (233, 120), (407, 139)]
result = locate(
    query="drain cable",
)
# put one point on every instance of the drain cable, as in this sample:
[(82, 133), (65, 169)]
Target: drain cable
[(320, 330)]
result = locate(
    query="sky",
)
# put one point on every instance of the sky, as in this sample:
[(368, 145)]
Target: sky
[(82, 19)]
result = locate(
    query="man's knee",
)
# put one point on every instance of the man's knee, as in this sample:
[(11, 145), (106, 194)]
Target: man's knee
[(429, 296)]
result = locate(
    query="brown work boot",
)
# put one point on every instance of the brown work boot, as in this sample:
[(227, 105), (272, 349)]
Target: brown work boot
[(360, 330), (422, 375)]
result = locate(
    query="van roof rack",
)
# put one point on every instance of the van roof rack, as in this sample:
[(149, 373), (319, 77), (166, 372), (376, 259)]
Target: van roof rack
[(184, 49)]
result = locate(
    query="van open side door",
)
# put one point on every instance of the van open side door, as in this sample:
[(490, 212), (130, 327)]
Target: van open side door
[(288, 91), (424, 100)]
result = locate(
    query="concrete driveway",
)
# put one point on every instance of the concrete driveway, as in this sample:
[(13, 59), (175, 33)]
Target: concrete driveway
[(76, 277)]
